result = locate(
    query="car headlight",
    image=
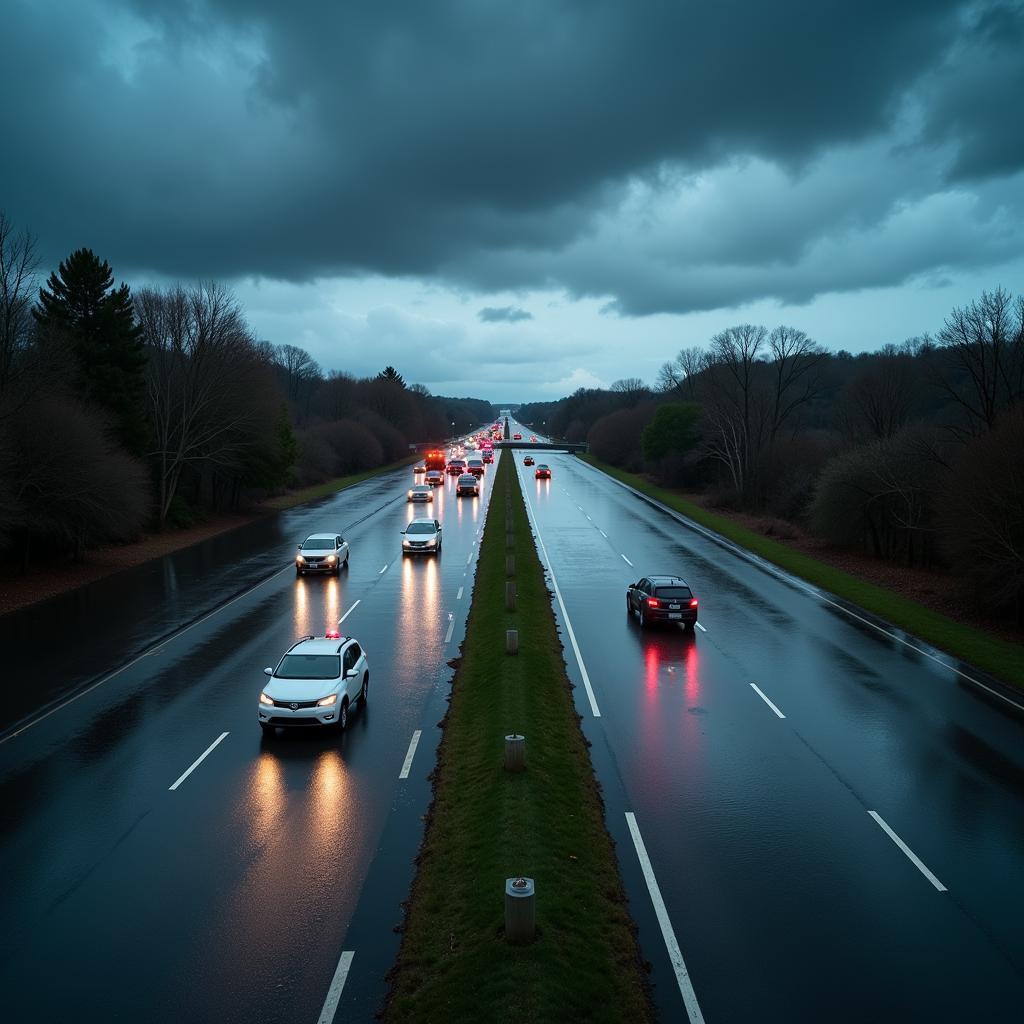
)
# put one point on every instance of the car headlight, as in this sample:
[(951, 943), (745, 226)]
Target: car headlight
[(326, 702), (264, 699), (405, 543), (332, 558), (408, 494), (299, 560), (431, 543)]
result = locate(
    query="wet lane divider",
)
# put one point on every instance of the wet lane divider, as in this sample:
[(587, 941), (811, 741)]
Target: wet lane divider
[(384, 570), (458, 596), (337, 984), (349, 612), (451, 627), (757, 689), (911, 856), (627, 561), (198, 761), (407, 763), (701, 628), (667, 932), (595, 710)]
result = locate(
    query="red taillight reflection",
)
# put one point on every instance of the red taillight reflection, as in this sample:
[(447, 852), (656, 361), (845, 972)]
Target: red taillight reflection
[(693, 603), (652, 602)]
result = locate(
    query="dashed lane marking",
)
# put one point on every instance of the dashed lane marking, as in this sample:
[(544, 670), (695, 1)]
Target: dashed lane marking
[(410, 754), (197, 762), (627, 561), (700, 627), (914, 859), (458, 596), (349, 612), (337, 984), (757, 689)]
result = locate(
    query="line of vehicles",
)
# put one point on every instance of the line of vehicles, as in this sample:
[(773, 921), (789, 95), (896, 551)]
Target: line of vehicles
[(319, 680)]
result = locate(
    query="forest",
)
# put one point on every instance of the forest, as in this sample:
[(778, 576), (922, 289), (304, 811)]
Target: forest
[(123, 412)]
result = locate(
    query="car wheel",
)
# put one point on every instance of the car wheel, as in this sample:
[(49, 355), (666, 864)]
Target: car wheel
[(266, 729), (343, 716), (643, 618), (629, 607), (689, 626), (298, 572), (364, 692), (346, 561)]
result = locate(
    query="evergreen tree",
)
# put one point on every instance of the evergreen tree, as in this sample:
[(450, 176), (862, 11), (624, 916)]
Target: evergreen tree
[(97, 320), (389, 373)]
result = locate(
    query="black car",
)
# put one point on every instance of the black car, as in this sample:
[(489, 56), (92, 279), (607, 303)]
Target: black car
[(469, 485), (662, 599)]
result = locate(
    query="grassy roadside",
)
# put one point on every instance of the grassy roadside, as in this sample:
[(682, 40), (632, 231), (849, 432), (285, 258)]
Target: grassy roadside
[(1003, 660), (339, 483), (486, 825)]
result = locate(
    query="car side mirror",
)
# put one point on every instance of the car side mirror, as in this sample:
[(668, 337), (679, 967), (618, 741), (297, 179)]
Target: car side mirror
[(351, 673), (268, 671), (401, 532)]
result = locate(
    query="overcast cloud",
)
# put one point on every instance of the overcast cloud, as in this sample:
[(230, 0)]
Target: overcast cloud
[(580, 187)]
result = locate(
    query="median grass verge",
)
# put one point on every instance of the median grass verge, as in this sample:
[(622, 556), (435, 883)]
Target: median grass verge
[(328, 487), (1000, 659), (485, 825)]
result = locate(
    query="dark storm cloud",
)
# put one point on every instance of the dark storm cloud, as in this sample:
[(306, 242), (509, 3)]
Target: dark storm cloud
[(478, 143), (503, 315)]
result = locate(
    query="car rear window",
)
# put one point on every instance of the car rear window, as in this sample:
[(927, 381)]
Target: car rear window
[(309, 666), (674, 593)]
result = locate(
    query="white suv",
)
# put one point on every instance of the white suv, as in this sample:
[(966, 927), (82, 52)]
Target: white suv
[(322, 552), (316, 683)]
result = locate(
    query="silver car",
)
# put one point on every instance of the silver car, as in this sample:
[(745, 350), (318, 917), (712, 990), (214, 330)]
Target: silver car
[(422, 537), (322, 552), (420, 492)]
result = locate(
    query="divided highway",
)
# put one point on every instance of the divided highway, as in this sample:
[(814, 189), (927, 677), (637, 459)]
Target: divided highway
[(815, 821), (164, 862)]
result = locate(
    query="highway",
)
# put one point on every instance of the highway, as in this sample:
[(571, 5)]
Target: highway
[(815, 821), (833, 821), (264, 884)]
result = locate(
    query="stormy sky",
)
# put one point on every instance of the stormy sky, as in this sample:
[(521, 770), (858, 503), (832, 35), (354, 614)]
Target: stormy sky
[(511, 200)]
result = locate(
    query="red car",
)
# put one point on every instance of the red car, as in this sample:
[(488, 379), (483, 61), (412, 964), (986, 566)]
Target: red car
[(517, 437), (542, 473), (528, 461)]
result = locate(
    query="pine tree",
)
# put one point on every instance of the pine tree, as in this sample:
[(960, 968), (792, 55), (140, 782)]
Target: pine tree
[(97, 320), (389, 373)]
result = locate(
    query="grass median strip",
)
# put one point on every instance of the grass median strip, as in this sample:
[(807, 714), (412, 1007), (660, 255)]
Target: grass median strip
[(486, 825), (1003, 660)]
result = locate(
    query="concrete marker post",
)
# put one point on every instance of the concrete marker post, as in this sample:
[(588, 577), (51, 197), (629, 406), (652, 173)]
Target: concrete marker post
[(510, 596), (510, 565), (511, 641), (515, 753), (520, 910)]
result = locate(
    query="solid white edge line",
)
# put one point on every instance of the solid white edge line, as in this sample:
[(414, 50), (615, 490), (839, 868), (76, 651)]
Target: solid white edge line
[(763, 696), (627, 561), (781, 574), (337, 984), (674, 953), (561, 604), (913, 857), (197, 762), (410, 754), (700, 627), (138, 658), (349, 612)]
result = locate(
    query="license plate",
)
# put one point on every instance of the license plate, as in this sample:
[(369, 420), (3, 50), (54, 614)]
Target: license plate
[(673, 607), (675, 615)]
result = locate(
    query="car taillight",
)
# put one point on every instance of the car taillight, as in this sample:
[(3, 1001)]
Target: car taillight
[(652, 602), (693, 603), (332, 634)]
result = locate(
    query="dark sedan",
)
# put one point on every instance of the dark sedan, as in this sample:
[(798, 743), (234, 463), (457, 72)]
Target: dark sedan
[(662, 599)]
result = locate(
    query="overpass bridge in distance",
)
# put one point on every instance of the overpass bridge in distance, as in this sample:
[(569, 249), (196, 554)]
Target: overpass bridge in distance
[(572, 447)]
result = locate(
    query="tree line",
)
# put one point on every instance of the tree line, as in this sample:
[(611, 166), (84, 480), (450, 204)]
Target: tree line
[(122, 412), (913, 453)]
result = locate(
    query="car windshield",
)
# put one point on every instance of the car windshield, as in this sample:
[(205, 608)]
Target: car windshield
[(309, 666), (674, 593), (420, 528), (542, 466), (420, 489), (318, 544)]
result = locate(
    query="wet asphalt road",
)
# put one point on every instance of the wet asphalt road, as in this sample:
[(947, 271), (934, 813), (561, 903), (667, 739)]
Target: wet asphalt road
[(233, 897), (788, 900)]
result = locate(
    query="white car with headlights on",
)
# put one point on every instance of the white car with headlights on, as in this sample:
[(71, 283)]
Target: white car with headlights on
[(315, 684), (422, 537), (322, 552), (420, 492)]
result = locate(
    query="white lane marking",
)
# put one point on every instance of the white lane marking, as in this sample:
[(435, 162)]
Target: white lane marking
[(674, 953), (915, 860), (349, 612), (781, 574), (337, 984), (626, 560), (603, 534), (451, 627), (700, 627), (588, 517), (136, 660), (561, 604), (763, 696), (470, 559), (410, 754), (198, 761), (384, 570), (458, 596)]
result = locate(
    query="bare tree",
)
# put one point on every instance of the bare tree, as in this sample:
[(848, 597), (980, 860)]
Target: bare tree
[(632, 389), (985, 342), (677, 377), (795, 362), (301, 373), (881, 399), (202, 363), (18, 268)]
